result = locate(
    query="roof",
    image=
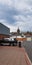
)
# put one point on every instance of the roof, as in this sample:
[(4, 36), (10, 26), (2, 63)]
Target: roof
[(4, 25), (4, 29)]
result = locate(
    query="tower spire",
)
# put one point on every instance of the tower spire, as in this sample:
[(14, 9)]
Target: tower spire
[(18, 30)]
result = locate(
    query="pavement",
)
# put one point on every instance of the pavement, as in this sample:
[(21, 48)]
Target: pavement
[(28, 47), (13, 56)]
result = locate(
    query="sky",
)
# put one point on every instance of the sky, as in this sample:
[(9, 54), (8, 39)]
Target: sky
[(16, 14)]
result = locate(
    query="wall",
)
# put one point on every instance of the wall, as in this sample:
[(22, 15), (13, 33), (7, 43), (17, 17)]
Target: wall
[(4, 36)]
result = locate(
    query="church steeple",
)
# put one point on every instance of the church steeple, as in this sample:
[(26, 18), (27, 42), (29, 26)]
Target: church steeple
[(18, 30)]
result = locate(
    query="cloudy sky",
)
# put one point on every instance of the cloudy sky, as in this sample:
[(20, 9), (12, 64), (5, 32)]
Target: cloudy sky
[(16, 13)]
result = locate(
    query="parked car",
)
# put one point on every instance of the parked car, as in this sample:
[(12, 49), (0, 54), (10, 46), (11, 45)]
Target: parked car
[(12, 41)]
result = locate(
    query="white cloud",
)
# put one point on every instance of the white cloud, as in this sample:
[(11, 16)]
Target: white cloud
[(2, 21), (24, 26), (25, 23), (22, 4), (18, 4), (12, 28), (8, 3), (24, 18)]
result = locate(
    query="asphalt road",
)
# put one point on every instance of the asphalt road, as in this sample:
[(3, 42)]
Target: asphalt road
[(28, 47)]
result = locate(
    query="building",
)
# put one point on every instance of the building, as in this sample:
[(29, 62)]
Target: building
[(18, 31), (4, 31)]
